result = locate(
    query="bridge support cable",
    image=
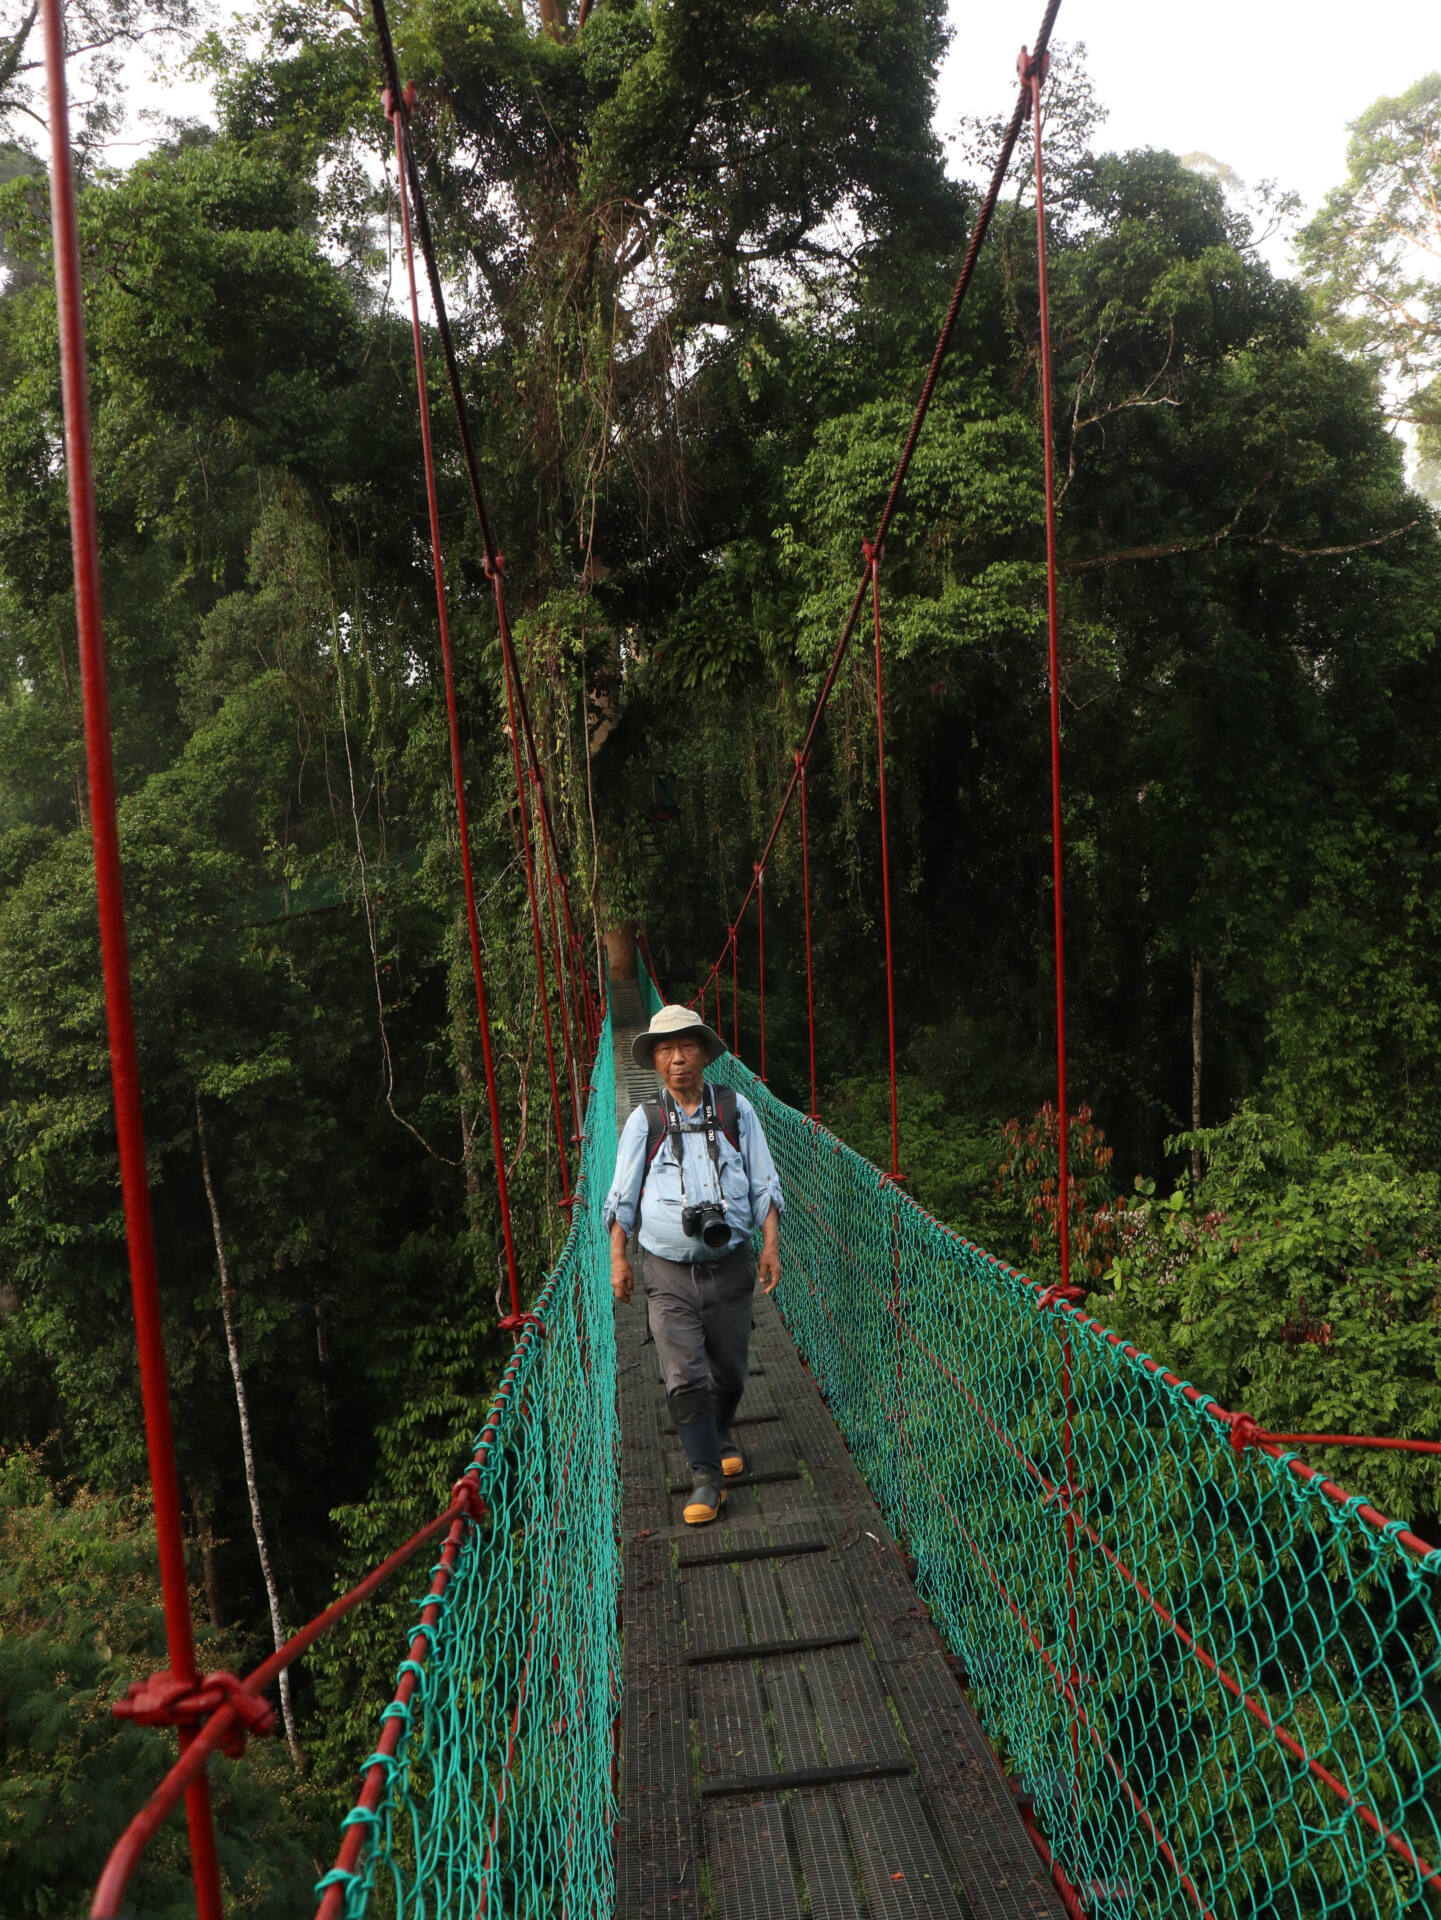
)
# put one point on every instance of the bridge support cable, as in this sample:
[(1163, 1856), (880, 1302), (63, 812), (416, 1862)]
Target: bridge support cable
[(1032, 70), (396, 109), (761, 952), (874, 555), (806, 890), (865, 586), (493, 559), (182, 1679)]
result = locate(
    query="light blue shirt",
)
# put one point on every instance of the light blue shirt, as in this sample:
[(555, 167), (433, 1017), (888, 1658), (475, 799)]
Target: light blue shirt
[(748, 1183)]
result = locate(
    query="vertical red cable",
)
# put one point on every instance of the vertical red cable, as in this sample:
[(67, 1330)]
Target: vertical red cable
[(1033, 72), (874, 556), (511, 674), (801, 763), (397, 110), (114, 952), (1035, 76), (735, 994), (761, 936), (537, 778)]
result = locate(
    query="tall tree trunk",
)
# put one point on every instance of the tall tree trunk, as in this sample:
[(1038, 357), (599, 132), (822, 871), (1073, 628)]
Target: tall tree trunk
[(1195, 1066), (620, 950), (247, 1449)]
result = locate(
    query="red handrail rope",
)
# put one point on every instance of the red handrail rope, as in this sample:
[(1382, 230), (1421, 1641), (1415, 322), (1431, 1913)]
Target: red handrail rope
[(396, 110), (874, 556), (761, 946), (114, 946), (735, 990), (806, 889), (923, 404)]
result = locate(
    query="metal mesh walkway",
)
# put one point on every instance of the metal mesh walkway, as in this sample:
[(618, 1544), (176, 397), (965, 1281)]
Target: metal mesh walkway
[(794, 1742)]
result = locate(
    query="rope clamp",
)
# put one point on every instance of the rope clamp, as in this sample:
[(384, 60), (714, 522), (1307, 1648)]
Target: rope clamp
[(465, 1494), (407, 103), (494, 566), (165, 1701), (874, 554), (1245, 1432), (516, 1323), (1030, 69), (1049, 1296)]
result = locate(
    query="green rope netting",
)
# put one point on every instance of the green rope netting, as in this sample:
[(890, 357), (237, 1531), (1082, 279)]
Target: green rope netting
[(500, 1798), (1221, 1685)]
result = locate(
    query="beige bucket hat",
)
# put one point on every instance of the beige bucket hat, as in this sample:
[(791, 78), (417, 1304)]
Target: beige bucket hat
[(672, 1020)]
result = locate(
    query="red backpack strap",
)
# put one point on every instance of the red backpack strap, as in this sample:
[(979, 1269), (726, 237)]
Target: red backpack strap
[(728, 1113), (654, 1129)]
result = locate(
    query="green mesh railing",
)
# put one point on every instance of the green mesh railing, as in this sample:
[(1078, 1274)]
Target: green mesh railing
[(499, 1798), (1216, 1676)]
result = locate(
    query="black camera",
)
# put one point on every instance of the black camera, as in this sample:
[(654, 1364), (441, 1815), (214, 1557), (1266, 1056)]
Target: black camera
[(707, 1221)]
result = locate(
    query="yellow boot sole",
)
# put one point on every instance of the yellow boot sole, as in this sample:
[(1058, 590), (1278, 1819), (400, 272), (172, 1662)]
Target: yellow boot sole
[(732, 1464), (698, 1513)]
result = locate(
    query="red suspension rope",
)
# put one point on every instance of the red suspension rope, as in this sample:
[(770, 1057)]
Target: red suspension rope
[(114, 948), (1033, 73), (396, 109), (761, 942), (874, 556), (943, 343), (806, 888)]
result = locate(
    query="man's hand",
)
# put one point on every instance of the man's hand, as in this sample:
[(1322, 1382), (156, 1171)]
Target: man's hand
[(622, 1280), (768, 1266)]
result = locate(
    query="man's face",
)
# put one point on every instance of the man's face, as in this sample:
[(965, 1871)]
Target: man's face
[(678, 1061)]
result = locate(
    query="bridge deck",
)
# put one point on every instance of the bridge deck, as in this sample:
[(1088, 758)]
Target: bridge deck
[(794, 1742)]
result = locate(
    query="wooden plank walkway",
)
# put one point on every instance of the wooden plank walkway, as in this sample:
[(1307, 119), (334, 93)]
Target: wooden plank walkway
[(793, 1741)]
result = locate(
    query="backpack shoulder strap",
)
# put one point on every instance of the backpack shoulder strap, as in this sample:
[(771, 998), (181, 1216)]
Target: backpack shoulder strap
[(654, 1128), (728, 1114)]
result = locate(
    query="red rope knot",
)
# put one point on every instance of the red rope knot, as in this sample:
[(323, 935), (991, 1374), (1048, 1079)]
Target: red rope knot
[(516, 1323), (1245, 1432), (537, 776), (494, 565), (165, 1701), (1049, 1296), (407, 103), (465, 1494), (874, 554), (803, 760), (896, 1180)]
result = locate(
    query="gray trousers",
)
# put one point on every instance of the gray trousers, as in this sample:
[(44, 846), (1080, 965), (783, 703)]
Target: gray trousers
[(700, 1320)]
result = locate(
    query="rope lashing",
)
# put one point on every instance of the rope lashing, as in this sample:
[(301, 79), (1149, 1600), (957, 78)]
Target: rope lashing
[(1246, 1433)]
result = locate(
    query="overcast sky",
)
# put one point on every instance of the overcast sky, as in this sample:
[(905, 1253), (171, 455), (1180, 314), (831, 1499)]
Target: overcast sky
[(1264, 86)]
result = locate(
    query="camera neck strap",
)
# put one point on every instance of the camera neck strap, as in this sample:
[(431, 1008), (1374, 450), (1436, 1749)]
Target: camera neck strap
[(709, 1124)]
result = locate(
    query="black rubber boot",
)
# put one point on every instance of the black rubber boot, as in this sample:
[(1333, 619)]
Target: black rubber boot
[(695, 1423)]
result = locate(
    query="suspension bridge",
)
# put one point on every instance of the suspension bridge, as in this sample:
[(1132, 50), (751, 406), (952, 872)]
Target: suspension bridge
[(1004, 1617)]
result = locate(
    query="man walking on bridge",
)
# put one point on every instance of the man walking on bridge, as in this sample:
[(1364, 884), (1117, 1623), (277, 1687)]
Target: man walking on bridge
[(698, 1161)]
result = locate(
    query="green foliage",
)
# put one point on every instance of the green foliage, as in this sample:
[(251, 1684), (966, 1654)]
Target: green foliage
[(80, 1619), (1370, 252), (1302, 1286)]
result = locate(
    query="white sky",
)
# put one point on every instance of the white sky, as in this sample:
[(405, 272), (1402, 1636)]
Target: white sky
[(1266, 87)]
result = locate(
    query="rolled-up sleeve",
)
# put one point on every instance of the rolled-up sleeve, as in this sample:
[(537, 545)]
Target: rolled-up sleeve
[(761, 1175), (624, 1195)]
